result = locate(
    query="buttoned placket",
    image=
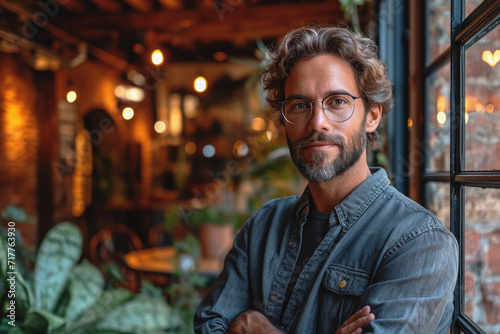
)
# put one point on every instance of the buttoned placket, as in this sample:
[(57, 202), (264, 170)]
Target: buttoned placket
[(280, 284), (309, 272)]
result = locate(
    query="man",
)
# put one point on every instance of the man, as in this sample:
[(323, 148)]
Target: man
[(352, 254)]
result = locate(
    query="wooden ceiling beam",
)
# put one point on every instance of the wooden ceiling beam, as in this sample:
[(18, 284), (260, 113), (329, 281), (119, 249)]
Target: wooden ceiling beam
[(110, 6), (76, 6), (63, 35), (172, 4), (143, 6), (227, 21)]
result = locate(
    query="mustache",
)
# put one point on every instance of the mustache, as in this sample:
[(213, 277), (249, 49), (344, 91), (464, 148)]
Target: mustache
[(319, 137)]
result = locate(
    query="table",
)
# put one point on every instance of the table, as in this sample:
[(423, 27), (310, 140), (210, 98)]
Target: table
[(163, 260)]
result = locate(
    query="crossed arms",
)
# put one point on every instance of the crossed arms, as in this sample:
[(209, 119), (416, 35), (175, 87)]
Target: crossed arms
[(254, 322)]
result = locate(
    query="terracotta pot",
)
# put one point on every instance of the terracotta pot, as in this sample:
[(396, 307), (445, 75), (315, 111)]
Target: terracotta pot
[(215, 240)]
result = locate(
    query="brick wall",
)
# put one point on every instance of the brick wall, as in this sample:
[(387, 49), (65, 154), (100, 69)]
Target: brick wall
[(19, 137), (19, 141)]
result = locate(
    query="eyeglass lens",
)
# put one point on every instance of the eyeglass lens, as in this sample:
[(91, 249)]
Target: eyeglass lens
[(337, 107)]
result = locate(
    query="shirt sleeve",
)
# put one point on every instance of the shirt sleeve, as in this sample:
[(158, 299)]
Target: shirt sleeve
[(412, 291), (230, 294)]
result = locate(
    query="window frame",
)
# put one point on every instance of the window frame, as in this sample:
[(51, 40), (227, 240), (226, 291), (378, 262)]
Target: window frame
[(464, 32)]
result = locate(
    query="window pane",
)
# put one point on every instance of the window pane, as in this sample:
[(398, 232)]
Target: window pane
[(438, 28), (437, 145), (482, 257), (470, 5), (482, 103), (437, 195)]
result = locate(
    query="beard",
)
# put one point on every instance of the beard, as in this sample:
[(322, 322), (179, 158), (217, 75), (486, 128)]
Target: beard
[(317, 168)]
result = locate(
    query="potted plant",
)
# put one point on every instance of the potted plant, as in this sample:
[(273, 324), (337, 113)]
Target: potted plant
[(69, 297), (215, 230)]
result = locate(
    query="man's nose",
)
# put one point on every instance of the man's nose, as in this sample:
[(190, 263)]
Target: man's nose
[(318, 120)]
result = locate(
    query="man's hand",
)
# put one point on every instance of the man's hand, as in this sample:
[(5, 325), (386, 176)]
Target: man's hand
[(356, 322), (252, 322)]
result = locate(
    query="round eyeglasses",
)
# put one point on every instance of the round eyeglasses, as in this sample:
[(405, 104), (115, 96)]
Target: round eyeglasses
[(338, 107)]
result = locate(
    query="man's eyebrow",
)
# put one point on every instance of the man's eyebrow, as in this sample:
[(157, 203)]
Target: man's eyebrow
[(328, 93), (338, 91)]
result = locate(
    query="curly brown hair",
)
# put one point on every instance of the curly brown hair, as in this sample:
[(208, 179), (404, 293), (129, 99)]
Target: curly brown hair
[(310, 41)]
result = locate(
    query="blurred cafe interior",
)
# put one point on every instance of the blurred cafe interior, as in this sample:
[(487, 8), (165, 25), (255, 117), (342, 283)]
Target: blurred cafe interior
[(140, 127)]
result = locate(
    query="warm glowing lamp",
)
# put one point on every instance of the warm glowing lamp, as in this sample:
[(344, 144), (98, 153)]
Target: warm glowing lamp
[(71, 96), (441, 117), (258, 124), (157, 57), (200, 84), (190, 147), (127, 113), (160, 127), (491, 58), (489, 108)]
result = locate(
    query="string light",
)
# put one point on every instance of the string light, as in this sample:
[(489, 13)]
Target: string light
[(491, 58), (127, 113), (441, 117), (160, 127), (190, 147), (71, 96), (157, 57), (258, 124), (200, 84)]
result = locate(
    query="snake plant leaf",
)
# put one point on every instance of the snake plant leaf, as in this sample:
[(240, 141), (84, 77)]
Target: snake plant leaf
[(138, 316), (3, 264), (60, 250), (85, 286), (16, 330), (34, 323), (24, 295), (108, 301), (53, 320)]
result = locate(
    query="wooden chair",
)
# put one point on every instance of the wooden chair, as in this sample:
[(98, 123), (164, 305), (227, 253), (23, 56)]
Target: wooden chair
[(159, 237), (109, 246)]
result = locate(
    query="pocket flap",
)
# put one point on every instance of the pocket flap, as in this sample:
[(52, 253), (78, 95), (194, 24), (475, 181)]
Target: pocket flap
[(345, 282)]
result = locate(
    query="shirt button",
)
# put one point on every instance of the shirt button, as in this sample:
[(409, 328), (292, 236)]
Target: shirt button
[(292, 244), (273, 298), (342, 284)]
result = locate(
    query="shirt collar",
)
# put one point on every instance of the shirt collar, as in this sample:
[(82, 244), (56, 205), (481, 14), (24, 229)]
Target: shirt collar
[(355, 204)]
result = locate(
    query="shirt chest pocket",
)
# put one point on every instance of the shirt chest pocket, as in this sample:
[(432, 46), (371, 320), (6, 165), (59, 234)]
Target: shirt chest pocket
[(345, 282), (339, 297)]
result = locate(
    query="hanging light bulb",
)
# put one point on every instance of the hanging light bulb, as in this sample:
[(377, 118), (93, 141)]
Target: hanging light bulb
[(71, 96), (157, 57), (200, 84), (128, 113), (441, 117)]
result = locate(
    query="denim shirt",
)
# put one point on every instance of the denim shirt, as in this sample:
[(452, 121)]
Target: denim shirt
[(382, 249)]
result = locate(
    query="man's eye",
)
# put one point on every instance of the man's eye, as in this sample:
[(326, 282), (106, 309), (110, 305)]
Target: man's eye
[(338, 102), (299, 106)]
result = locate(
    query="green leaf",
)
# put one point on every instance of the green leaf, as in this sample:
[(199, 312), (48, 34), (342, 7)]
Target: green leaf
[(24, 295), (85, 286), (35, 323), (17, 330), (3, 265), (138, 315), (53, 320), (59, 251), (4, 257), (104, 305)]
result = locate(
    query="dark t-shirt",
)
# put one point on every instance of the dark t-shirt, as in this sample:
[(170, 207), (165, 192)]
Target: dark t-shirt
[(314, 230)]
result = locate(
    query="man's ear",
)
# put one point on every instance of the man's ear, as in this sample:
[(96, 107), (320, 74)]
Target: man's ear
[(373, 118)]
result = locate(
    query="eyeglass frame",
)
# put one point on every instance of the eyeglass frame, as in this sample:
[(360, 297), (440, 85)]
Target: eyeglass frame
[(354, 98)]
